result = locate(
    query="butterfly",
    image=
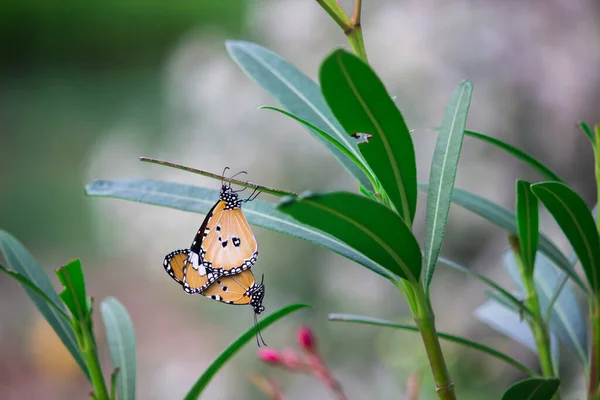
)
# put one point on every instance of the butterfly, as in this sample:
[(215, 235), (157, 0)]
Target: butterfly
[(223, 246), (237, 289), (231, 289)]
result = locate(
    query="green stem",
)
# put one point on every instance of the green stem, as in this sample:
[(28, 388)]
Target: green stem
[(354, 34), (538, 328), (355, 38), (425, 321), (594, 379), (90, 356), (337, 13)]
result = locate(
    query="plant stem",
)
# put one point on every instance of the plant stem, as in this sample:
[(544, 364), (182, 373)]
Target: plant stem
[(425, 321), (354, 33), (90, 356), (355, 38), (539, 329), (594, 378), (337, 13)]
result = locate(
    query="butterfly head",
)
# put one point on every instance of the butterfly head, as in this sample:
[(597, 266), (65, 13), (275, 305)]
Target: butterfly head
[(230, 197), (257, 294)]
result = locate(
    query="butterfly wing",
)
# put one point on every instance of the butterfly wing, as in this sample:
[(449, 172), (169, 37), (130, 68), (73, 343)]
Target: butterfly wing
[(183, 266), (229, 246), (231, 289), (174, 263)]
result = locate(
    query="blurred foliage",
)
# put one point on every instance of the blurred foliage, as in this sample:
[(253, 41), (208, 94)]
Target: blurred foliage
[(70, 72), (110, 32)]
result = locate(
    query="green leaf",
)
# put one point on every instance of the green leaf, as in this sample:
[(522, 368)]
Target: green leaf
[(537, 165), (443, 173), (532, 389), (566, 318), (499, 290), (361, 103), (22, 262), (576, 221), (506, 220), (588, 132), (200, 200), (527, 224), (121, 343), (74, 297), (451, 338), (329, 139), (233, 348), (298, 94), (29, 285), (363, 224)]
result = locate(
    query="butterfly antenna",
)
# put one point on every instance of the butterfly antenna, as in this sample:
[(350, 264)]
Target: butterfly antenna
[(223, 174), (254, 195), (241, 172), (258, 334)]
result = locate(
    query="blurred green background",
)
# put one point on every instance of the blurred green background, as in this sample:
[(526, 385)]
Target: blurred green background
[(86, 88)]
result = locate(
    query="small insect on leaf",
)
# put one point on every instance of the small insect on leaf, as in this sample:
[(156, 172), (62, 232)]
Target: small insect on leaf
[(362, 137)]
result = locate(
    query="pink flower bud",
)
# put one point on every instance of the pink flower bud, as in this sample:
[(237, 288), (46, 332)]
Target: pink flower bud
[(269, 356), (306, 339)]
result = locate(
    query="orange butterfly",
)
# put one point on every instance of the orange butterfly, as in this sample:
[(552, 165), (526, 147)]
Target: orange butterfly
[(233, 289), (223, 246)]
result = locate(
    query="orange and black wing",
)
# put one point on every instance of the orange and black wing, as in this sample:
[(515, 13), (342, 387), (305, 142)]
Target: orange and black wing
[(238, 289), (174, 263), (184, 267), (229, 246)]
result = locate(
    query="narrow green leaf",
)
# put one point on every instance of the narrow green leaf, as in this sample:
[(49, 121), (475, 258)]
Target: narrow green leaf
[(233, 348), (576, 221), (443, 173), (200, 200), (361, 103), (588, 132), (121, 343), (22, 262), (506, 220), (519, 154), (566, 318), (532, 389), (298, 94), (451, 338), (29, 285), (527, 224), (74, 297), (328, 138), (499, 290), (363, 224)]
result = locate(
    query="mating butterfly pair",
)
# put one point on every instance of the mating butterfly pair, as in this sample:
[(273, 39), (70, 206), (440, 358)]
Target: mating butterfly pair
[(217, 264)]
